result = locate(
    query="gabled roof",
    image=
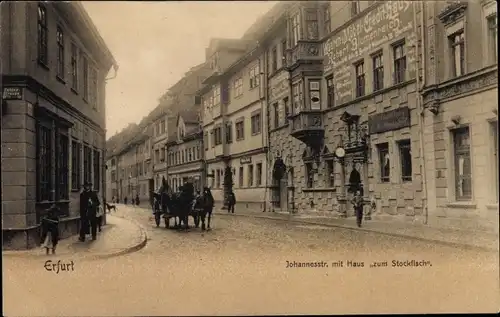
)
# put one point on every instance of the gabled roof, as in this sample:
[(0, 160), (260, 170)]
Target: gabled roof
[(190, 116)]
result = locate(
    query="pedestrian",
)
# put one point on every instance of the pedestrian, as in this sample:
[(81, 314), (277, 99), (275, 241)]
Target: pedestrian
[(99, 216), (50, 230), (113, 199), (137, 201), (125, 200), (89, 203), (357, 202), (231, 201)]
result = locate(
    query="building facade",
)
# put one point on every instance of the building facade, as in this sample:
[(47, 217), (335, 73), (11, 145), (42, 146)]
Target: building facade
[(185, 151), (53, 115), (234, 129), (461, 119)]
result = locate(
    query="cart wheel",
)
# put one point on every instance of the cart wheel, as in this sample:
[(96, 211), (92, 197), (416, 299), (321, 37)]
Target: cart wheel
[(157, 219)]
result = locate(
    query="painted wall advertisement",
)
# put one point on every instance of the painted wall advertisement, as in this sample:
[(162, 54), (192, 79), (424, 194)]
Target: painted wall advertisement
[(384, 24)]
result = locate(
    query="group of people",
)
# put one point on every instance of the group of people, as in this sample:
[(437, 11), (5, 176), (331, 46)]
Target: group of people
[(91, 217), (135, 201)]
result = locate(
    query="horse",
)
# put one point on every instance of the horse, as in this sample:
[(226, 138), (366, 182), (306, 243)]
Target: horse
[(205, 205)]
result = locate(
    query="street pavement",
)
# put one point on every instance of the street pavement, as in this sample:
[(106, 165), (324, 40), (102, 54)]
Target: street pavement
[(240, 267)]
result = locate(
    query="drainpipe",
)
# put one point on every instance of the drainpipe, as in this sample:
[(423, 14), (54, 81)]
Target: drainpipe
[(420, 106)]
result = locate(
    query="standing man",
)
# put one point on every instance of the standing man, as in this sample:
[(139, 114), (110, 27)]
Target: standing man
[(88, 212), (357, 203), (231, 201)]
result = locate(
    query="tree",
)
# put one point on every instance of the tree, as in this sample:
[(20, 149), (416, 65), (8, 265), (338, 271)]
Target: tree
[(228, 184)]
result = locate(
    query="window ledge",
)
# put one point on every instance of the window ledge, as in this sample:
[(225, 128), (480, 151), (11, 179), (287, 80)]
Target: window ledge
[(462, 205), (61, 80), (43, 65), (319, 190), (492, 206)]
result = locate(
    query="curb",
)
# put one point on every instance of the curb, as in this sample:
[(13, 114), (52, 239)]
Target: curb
[(127, 250), (398, 235)]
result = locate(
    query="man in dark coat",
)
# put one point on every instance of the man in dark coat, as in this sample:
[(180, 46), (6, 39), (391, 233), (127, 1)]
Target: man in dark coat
[(231, 201), (89, 202)]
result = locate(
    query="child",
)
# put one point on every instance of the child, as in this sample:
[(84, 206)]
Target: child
[(50, 230), (99, 215), (357, 203)]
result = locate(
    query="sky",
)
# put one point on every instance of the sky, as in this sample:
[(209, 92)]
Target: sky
[(155, 43)]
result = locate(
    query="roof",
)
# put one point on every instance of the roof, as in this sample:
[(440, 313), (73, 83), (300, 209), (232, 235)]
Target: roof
[(190, 116)]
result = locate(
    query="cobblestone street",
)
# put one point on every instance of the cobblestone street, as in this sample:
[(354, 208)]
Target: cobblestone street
[(240, 267)]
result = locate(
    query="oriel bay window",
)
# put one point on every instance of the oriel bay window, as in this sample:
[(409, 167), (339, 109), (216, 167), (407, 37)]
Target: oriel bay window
[(331, 92), (297, 98), (457, 45), (462, 168), (360, 79), (378, 72), (315, 95)]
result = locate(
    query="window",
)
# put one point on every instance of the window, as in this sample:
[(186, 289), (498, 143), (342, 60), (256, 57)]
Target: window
[(42, 35), (157, 156), (494, 128), (250, 175), (218, 136), (330, 176), (113, 176), (315, 95), (286, 109), (283, 50), (354, 7), (97, 170), (457, 45), (240, 130), (295, 29), (205, 140), (309, 175), (190, 155), (297, 97), (44, 168), (219, 176), (162, 154), (76, 165), (463, 171), (331, 92), (60, 52), (276, 115), (378, 72), (163, 125), (87, 164), (399, 63), (62, 158), (405, 160), (259, 174), (256, 124), (493, 37), (326, 19), (255, 76), (238, 87), (229, 133), (93, 87), (240, 176), (360, 79), (85, 79), (216, 96), (384, 161), (274, 60)]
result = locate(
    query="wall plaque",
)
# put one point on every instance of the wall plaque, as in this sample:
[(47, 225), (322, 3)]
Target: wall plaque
[(246, 160), (389, 121), (12, 93)]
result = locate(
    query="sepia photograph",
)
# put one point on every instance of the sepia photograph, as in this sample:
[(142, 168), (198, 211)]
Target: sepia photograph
[(241, 158)]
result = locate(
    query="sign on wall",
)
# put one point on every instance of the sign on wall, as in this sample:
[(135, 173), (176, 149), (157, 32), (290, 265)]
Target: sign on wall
[(390, 120), (12, 93), (246, 160), (383, 24)]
